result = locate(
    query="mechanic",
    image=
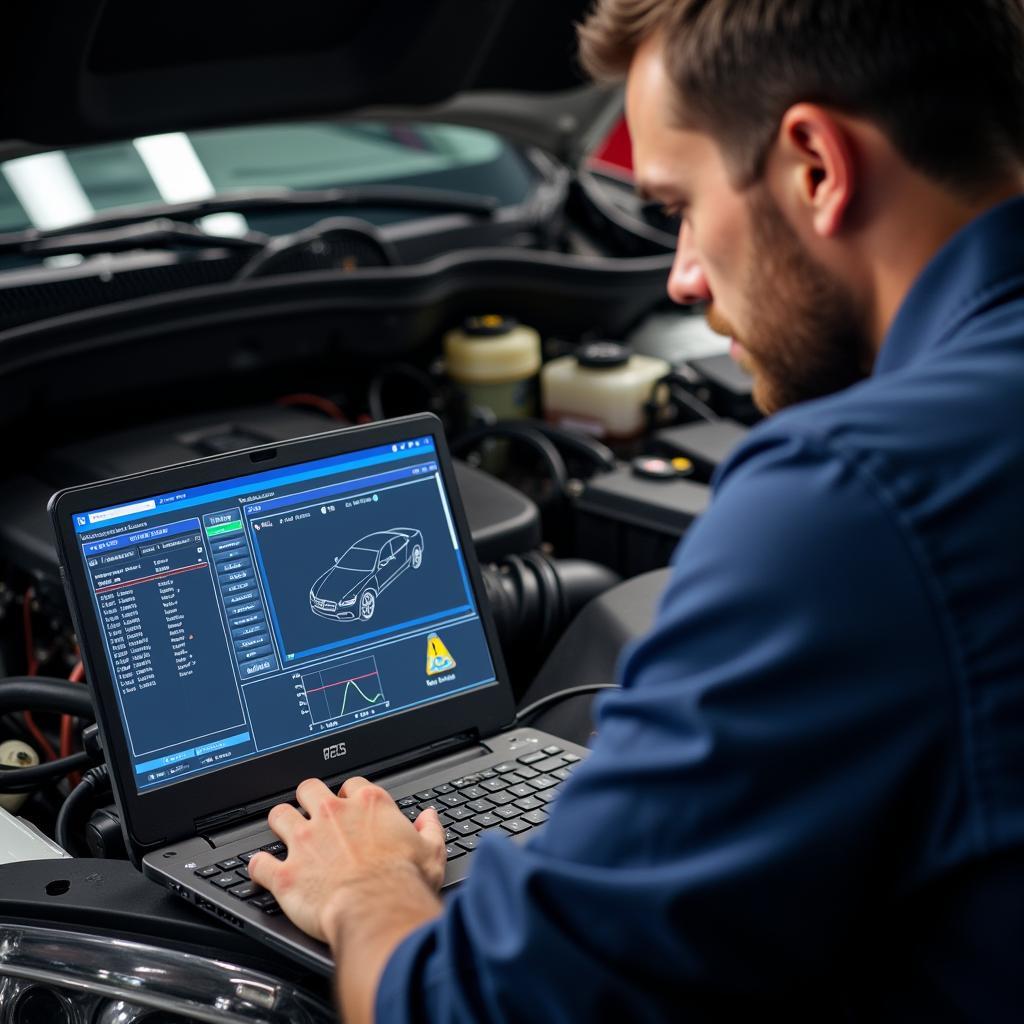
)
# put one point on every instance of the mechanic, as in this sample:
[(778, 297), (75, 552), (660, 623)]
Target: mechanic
[(810, 789)]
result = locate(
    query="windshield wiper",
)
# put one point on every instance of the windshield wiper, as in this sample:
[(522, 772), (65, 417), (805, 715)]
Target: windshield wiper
[(407, 197)]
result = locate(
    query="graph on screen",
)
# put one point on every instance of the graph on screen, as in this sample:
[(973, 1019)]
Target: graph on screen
[(351, 688)]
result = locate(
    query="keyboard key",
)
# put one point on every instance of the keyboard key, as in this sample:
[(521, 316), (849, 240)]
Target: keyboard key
[(469, 843), (505, 766), (570, 758), (542, 782), (561, 773), (525, 773), (466, 780), (226, 880), (208, 872), (535, 817), (263, 900), (453, 799), (523, 789), (535, 755), (248, 856), (230, 864), (412, 813), (511, 811), (272, 909), (486, 820), (493, 785), (424, 794), (445, 787), (488, 773), (452, 851), (465, 828), (245, 890), (276, 848), (459, 813), (432, 805), (479, 806), (407, 801), (549, 764), (511, 778), (473, 793), (501, 798), (243, 871), (516, 825), (547, 796), (449, 836), (552, 750), (529, 803)]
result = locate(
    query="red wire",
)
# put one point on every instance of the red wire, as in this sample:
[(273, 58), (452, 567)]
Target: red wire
[(67, 725), (324, 405), (32, 668)]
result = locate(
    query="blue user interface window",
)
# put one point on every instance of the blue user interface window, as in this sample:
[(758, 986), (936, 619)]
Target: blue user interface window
[(243, 617)]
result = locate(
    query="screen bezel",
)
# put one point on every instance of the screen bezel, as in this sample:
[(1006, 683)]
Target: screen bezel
[(170, 813)]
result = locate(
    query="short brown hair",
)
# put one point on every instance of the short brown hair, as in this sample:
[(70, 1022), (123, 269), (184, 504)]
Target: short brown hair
[(943, 78)]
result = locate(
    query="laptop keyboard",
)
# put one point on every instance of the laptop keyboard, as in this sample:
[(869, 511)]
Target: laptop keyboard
[(505, 800)]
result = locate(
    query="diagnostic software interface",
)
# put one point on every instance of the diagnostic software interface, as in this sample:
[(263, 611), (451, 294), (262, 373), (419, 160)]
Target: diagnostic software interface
[(249, 615)]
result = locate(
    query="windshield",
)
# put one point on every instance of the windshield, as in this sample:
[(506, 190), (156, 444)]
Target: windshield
[(358, 560), (55, 189)]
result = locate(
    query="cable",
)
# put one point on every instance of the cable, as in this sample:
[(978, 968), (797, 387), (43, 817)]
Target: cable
[(67, 723), (41, 693), (31, 668), (678, 389), (375, 389), (531, 438), (531, 710), (600, 455), (24, 780), (95, 780)]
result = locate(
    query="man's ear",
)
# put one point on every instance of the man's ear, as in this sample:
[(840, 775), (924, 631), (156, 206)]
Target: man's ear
[(816, 167)]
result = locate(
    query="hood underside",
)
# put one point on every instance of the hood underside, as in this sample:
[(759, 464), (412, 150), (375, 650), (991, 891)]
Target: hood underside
[(80, 71)]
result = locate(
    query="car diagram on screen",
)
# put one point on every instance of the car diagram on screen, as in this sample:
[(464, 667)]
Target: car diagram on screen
[(349, 589)]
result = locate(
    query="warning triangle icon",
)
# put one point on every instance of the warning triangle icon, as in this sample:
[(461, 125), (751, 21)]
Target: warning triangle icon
[(439, 658)]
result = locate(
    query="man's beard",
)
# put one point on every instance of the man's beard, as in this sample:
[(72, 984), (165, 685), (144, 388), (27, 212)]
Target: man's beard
[(804, 335)]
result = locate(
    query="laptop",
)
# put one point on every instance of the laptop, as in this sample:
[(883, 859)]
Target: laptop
[(307, 609)]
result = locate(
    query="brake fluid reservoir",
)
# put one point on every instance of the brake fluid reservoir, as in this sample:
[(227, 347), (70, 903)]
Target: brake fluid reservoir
[(15, 754), (495, 359), (602, 390)]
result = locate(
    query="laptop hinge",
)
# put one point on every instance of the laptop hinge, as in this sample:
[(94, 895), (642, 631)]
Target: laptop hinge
[(227, 826)]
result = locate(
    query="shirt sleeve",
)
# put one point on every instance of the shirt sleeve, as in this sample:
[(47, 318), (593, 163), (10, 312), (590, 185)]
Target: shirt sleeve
[(778, 763)]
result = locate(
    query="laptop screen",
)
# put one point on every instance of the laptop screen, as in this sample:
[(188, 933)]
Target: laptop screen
[(243, 617)]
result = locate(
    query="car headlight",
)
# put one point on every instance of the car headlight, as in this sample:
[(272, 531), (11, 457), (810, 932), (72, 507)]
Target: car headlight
[(347, 601), (49, 977)]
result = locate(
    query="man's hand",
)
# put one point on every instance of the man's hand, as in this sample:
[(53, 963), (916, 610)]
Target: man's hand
[(358, 876)]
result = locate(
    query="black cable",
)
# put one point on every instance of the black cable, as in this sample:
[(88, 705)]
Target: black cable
[(24, 780), (678, 389), (531, 710), (96, 780), (41, 693), (531, 438), (600, 455)]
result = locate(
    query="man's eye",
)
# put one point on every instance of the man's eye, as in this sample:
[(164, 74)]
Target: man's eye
[(667, 218)]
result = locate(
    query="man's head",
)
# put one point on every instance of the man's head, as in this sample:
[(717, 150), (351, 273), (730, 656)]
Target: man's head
[(799, 140)]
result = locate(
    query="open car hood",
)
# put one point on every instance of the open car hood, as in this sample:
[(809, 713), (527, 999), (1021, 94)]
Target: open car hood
[(81, 71)]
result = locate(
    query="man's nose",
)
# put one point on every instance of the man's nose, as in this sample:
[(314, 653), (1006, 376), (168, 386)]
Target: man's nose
[(686, 281)]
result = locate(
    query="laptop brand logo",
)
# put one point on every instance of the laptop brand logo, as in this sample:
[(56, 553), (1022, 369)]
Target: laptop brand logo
[(334, 750)]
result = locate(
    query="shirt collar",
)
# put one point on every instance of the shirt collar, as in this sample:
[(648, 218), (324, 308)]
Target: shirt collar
[(979, 265)]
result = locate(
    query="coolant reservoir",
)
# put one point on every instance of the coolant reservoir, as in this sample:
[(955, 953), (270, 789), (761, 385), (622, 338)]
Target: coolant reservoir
[(15, 754), (495, 359), (601, 390)]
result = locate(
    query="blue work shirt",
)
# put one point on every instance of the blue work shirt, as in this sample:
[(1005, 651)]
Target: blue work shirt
[(809, 791)]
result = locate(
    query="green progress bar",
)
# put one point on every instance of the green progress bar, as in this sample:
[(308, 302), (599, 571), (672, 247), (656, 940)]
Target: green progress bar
[(214, 531)]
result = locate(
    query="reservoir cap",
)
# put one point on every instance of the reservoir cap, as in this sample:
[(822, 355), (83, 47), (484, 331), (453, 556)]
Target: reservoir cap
[(602, 355)]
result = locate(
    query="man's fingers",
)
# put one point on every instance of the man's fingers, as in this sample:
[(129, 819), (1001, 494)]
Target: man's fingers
[(350, 787), (282, 819), (263, 870), (428, 824), (312, 795)]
